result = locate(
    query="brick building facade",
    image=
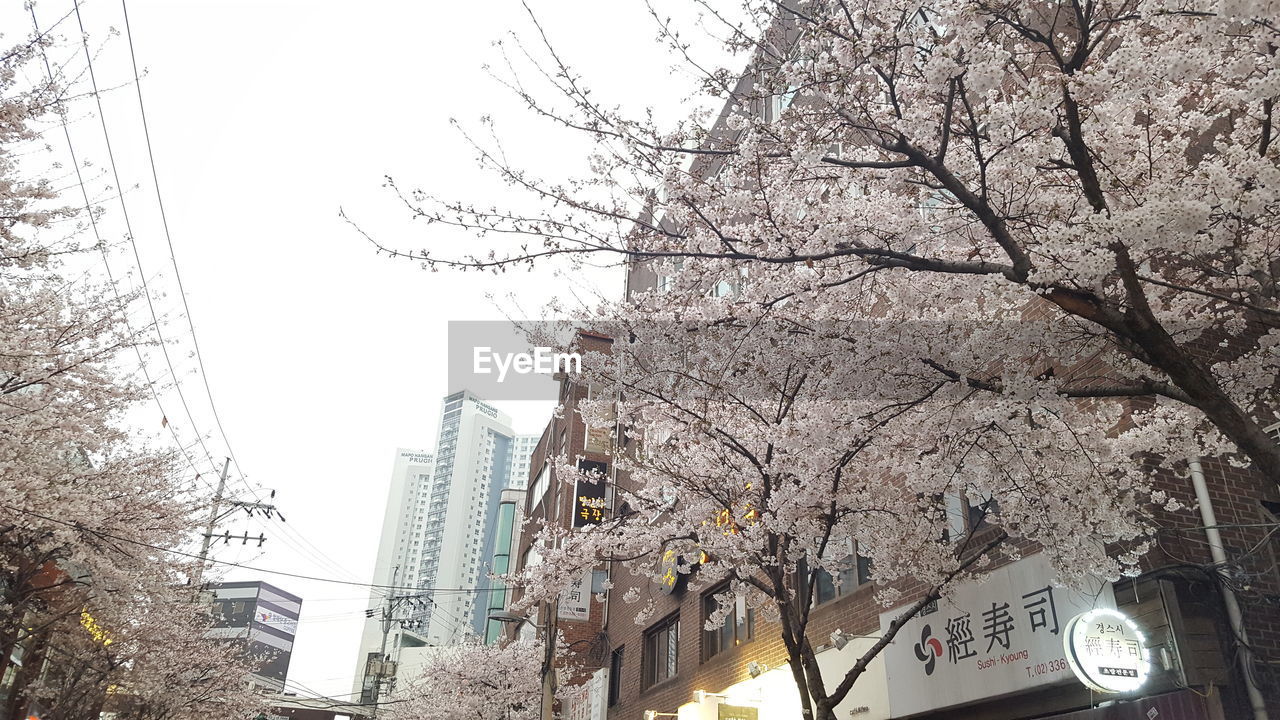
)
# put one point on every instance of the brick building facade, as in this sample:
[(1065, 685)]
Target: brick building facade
[(1176, 602), (671, 666), (578, 616)]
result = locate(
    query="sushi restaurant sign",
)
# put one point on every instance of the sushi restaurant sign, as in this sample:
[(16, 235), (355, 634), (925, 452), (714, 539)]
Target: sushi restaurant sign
[(735, 712), (1000, 636), (1107, 651)]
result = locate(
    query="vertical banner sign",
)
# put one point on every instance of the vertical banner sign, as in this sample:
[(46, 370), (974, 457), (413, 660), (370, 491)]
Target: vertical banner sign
[(988, 639), (588, 497), (587, 701), (668, 571), (599, 693), (576, 701), (599, 440), (575, 601)]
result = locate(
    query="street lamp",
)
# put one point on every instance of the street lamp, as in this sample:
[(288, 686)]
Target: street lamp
[(504, 616), (839, 639)]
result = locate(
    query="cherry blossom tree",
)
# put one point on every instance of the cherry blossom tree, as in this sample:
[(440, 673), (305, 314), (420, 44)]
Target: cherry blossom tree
[(769, 464), (169, 670), (1102, 171), (89, 509), (473, 681), (1021, 254), (141, 653)]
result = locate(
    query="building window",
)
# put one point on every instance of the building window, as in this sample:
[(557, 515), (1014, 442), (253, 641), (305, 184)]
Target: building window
[(615, 676), (1273, 430), (980, 511), (540, 485), (738, 627), (857, 572), (531, 557), (661, 651)]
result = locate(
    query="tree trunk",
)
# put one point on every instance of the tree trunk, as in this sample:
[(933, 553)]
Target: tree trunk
[(27, 675), (8, 640)]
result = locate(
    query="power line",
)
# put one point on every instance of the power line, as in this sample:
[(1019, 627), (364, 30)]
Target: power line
[(93, 222), (305, 547), (103, 534), (314, 553), (338, 701), (290, 537), (124, 210), (173, 257), (39, 36)]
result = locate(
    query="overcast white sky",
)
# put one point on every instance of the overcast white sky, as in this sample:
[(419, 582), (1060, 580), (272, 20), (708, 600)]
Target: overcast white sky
[(265, 118)]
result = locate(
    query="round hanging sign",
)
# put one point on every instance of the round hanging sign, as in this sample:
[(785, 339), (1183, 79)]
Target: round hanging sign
[(1107, 651)]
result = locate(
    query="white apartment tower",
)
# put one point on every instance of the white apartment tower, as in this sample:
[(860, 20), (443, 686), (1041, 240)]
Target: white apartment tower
[(442, 509), (399, 557)]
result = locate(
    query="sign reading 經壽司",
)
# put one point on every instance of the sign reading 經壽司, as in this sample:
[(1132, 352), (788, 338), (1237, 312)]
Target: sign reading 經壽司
[(987, 639), (1107, 651), (589, 496)]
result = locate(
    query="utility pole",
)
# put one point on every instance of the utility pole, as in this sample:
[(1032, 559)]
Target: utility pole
[(386, 668), (381, 670), (548, 659), (213, 520), (216, 514)]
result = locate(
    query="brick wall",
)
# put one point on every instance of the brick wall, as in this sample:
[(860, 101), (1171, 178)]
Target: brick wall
[(1179, 553), (565, 435), (1236, 495)]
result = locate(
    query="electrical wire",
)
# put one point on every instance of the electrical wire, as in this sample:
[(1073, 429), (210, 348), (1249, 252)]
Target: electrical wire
[(335, 581), (124, 210), (164, 221), (39, 36), (304, 546), (288, 536), (110, 275), (341, 700)]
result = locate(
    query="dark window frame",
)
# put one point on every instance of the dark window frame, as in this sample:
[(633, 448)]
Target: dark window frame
[(851, 579), (616, 658), (715, 642), (660, 659), (978, 514)]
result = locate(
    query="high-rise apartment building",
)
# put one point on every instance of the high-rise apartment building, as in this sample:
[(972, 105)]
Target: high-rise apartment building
[(399, 557), (521, 451), (474, 463), (436, 544), (400, 550)]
